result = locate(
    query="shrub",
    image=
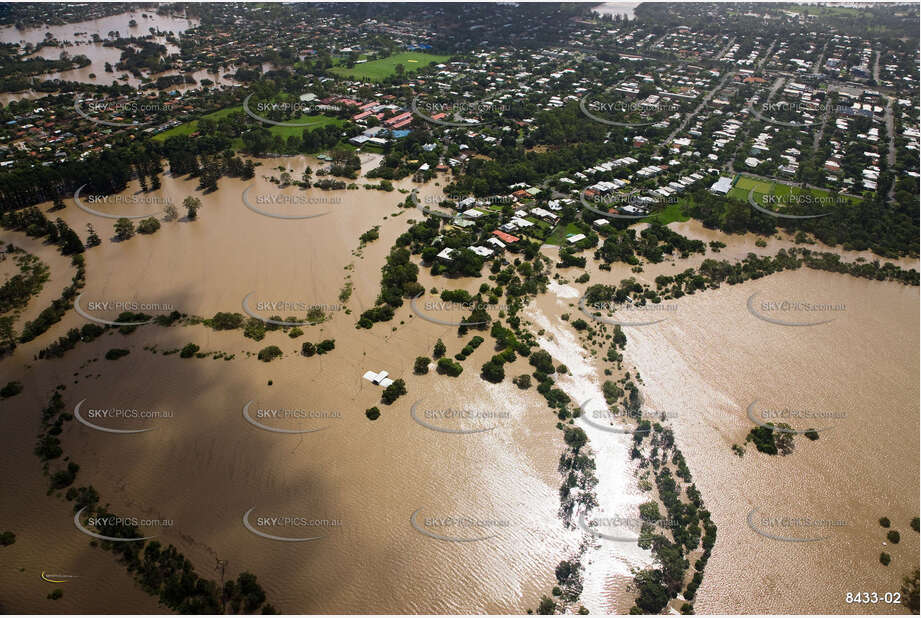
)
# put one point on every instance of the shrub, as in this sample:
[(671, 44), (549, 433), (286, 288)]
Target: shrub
[(223, 320), (148, 225), (188, 350), (542, 361), (295, 332), (422, 365), (7, 538), (254, 329), (893, 536), (456, 296), (393, 392), (492, 372), (325, 346), (308, 349), (269, 353), (439, 350), (884, 522), (124, 229), (449, 367), (116, 353), (523, 381), (915, 523), (11, 389), (373, 413), (885, 558)]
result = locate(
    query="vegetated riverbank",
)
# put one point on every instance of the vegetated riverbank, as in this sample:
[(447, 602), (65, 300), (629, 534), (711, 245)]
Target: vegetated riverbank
[(671, 389), (632, 556), (298, 474)]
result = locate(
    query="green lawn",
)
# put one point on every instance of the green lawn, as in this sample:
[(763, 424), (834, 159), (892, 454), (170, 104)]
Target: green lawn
[(560, 233), (321, 121), (764, 187), (187, 128), (674, 212), (376, 70)]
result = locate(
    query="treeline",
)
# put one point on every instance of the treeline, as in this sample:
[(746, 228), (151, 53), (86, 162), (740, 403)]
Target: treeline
[(34, 223), (161, 572), (18, 289), (689, 526), (399, 276), (653, 244), (579, 143), (887, 229), (103, 173)]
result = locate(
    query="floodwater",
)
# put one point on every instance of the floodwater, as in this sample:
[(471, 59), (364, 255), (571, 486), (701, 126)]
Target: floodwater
[(82, 44), (360, 482), (857, 376), (617, 8), (204, 465)]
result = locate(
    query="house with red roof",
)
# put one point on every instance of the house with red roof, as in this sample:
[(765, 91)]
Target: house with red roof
[(506, 238)]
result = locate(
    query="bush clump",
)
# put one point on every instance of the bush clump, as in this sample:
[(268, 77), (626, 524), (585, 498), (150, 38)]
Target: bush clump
[(448, 367), (11, 389), (269, 353), (116, 353), (393, 392)]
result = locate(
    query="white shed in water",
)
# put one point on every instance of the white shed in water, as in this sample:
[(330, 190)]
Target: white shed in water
[(380, 379)]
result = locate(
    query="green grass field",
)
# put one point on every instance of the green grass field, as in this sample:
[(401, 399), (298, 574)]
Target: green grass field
[(376, 70), (187, 128), (763, 187), (321, 121), (560, 232), (672, 213)]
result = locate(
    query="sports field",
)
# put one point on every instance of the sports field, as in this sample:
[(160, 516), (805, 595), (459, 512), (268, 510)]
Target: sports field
[(377, 70), (764, 187), (187, 128)]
